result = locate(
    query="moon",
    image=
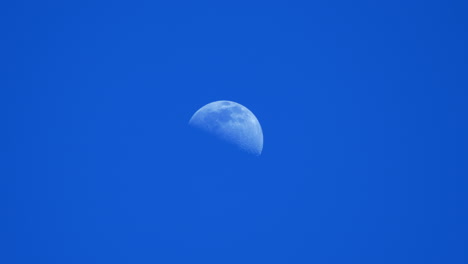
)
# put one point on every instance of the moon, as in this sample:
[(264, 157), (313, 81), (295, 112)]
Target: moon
[(233, 123)]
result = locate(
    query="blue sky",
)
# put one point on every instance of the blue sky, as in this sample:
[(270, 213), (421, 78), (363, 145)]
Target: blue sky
[(362, 106)]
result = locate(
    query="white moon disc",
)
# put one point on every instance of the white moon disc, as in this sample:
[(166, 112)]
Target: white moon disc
[(232, 122)]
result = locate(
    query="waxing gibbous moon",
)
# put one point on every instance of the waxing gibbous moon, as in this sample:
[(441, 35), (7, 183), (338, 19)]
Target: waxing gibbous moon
[(232, 122)]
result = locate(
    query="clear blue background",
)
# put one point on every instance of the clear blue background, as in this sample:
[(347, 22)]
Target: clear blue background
[(363, 105)]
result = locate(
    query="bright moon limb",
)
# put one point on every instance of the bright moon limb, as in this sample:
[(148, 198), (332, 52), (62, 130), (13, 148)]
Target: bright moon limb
[(232, 122)]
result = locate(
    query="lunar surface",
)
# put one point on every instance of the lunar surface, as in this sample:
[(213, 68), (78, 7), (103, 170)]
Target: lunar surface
[(231, 122)]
